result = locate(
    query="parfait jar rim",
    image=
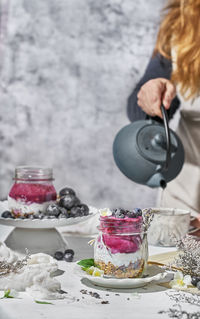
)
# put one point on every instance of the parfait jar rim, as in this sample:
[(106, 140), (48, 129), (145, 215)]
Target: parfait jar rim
[(33, 173)]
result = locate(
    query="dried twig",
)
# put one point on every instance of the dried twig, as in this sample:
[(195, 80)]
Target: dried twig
[(178, 313), (6, 267), (188, 258), (147, 218), (178, 297)]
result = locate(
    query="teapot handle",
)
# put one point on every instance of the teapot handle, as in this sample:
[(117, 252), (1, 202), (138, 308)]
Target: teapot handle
[(167, 133)]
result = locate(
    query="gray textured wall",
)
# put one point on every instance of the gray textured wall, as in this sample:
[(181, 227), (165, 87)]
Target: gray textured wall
[(67, 68)]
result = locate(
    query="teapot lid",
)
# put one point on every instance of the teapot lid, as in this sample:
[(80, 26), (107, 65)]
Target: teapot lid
[(151, 142)]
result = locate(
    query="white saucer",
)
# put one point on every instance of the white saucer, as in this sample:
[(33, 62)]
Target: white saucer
[(42, 223), (154, 275)]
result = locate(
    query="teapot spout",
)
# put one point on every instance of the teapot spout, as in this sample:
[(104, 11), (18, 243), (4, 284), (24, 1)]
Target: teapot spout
[(157, 180)]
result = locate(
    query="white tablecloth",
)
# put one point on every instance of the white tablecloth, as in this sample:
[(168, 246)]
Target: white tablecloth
[(143, 303)]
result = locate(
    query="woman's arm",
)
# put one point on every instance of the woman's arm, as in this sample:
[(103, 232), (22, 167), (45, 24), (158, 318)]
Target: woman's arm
[(158, 67)]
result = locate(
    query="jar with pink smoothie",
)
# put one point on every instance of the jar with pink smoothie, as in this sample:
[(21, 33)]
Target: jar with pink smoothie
[(32, 191), (121, 248)]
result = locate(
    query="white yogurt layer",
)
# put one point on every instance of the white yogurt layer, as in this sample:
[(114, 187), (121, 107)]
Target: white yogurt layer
[(34, 278), (26, 208), (119, 259)]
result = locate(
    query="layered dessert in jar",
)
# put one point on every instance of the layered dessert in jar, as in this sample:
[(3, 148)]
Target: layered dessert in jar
[(121, 248), (33, 196), (32, 192)]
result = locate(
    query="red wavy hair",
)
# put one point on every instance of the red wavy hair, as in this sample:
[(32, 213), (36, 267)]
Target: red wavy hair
[(180, 28)]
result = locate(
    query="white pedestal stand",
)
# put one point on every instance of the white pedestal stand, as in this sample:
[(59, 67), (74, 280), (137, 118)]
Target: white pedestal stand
[(36, 240), (37, 235)]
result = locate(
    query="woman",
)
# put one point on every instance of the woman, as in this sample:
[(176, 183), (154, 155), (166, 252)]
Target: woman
[(173, 78)]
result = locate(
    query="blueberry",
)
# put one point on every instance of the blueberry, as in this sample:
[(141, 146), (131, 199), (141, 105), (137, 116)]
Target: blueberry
[(68, 255), (76, 212), (69, 251), (7, 214), (85, 209), (64, 213), (21, 217), (34, 216), (195, 280), (118, 213), (27, 216), (67, 215), (130, 214), (115, 211), (50, 217), (63, 210), (53, 210), (62, 216), (37, 216), (122, 211), (138, 212), (30, 216), (68, 258), (40, 216), (69, 201), (59, 255), (198, 285), (67, 191)]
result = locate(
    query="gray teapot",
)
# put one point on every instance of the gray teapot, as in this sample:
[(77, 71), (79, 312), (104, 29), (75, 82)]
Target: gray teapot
[(149, 153)]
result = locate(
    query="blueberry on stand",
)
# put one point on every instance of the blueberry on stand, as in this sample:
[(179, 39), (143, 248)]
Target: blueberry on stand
[(7, 214), (76, 212), (22, 217), (68, 201), (50, 217), (64, 213), (30, 216), (53, 210), (41, 216), (67, 191), (34, 216), (85, 209)]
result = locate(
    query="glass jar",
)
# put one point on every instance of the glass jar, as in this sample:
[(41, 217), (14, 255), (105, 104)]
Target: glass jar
[(32, 191), (121, 248)]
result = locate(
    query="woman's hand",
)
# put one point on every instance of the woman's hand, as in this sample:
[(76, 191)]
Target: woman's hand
[(155, 92)]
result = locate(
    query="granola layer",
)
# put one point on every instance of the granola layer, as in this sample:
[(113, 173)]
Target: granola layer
[(133, 270)]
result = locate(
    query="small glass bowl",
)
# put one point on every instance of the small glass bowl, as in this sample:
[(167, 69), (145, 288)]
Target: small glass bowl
[(168, 226)]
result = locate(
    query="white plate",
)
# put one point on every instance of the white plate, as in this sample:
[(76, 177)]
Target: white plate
[(155, 275), (42, 223)]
